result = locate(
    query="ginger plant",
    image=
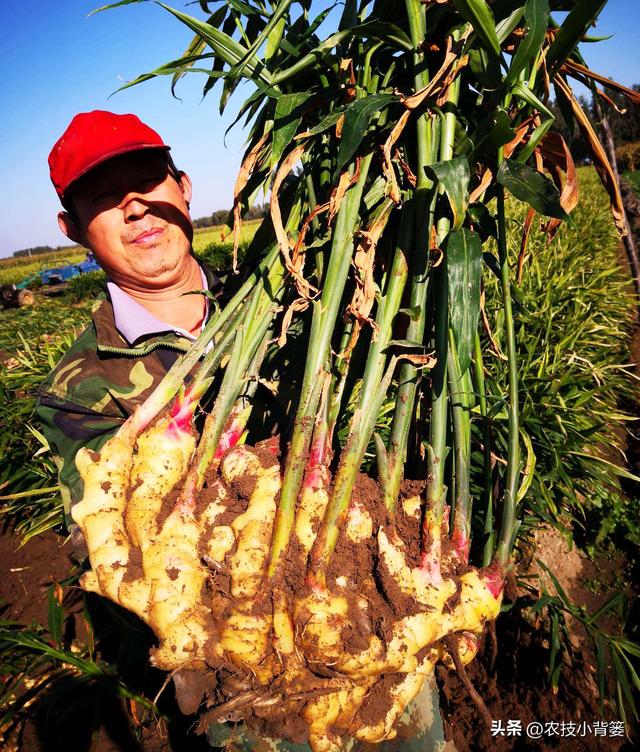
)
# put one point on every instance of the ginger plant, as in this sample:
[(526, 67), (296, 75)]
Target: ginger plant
[(320, 600)]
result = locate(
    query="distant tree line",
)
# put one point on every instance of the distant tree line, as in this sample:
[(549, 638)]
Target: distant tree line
[(221, 216)]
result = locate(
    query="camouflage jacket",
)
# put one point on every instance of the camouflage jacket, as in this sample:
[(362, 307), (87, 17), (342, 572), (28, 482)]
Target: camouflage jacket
[(96, 386)]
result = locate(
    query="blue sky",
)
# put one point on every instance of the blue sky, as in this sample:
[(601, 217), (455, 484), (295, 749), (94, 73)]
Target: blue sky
[(56, 61)]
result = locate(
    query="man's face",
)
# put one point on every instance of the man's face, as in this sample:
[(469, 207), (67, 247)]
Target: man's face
[(134, 216)]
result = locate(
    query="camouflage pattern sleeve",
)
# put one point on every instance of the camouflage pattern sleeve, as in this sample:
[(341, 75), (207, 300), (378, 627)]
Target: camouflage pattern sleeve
[(92, 391)]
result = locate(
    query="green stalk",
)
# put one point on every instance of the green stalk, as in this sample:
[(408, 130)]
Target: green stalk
[(508, 523), (212, 360), (311, 195), (487, 484), (375, 383), (325, 313), (339, 378), (363, 425), (437, 450), (250, 339), (396, 454), (459, 389), (423, 205)]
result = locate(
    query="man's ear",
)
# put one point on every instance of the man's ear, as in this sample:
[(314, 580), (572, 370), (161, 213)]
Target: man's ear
[(70, 227), (185, 184)]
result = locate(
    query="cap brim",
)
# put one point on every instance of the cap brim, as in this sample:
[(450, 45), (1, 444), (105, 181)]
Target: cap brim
[(110, 155)]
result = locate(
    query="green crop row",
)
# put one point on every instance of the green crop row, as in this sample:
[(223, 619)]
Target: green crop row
[(574, 313)]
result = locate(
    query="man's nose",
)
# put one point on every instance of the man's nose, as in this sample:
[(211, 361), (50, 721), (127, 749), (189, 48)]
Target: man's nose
[(134, 206)]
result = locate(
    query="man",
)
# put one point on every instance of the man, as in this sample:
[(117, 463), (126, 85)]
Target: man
[(123, 199)]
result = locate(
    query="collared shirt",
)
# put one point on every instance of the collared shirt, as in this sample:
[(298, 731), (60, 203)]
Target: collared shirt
[(134, 321)]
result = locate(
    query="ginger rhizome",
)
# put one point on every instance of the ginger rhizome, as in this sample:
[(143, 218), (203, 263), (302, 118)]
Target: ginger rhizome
[(196, 576)]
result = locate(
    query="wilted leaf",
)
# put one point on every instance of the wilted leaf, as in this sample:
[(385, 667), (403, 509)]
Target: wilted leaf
[(600, 160), (365, 287), (558, 160), (443, 77), (571, 66), (387, 165), (294, 268), (246, 168)]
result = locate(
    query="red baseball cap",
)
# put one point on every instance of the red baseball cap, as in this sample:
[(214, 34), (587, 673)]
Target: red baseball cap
[(92, 138)]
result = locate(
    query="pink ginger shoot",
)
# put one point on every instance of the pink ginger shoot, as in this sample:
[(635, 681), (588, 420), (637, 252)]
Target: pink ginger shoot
[(493, 577)]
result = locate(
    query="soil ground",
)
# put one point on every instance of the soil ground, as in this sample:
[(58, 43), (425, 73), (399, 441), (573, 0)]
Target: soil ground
[(513, 680)]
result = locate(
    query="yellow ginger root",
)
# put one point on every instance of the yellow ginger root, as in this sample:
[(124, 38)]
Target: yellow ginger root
[(178, 615), (253, 532), (328, 713), (415, 582), (151, 479), (275, 643), (325, 614), (359, 526), (178, 610), (245, 637), (246, 640), (218, 539), (150, 482), (100, 514), (240, 462)]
